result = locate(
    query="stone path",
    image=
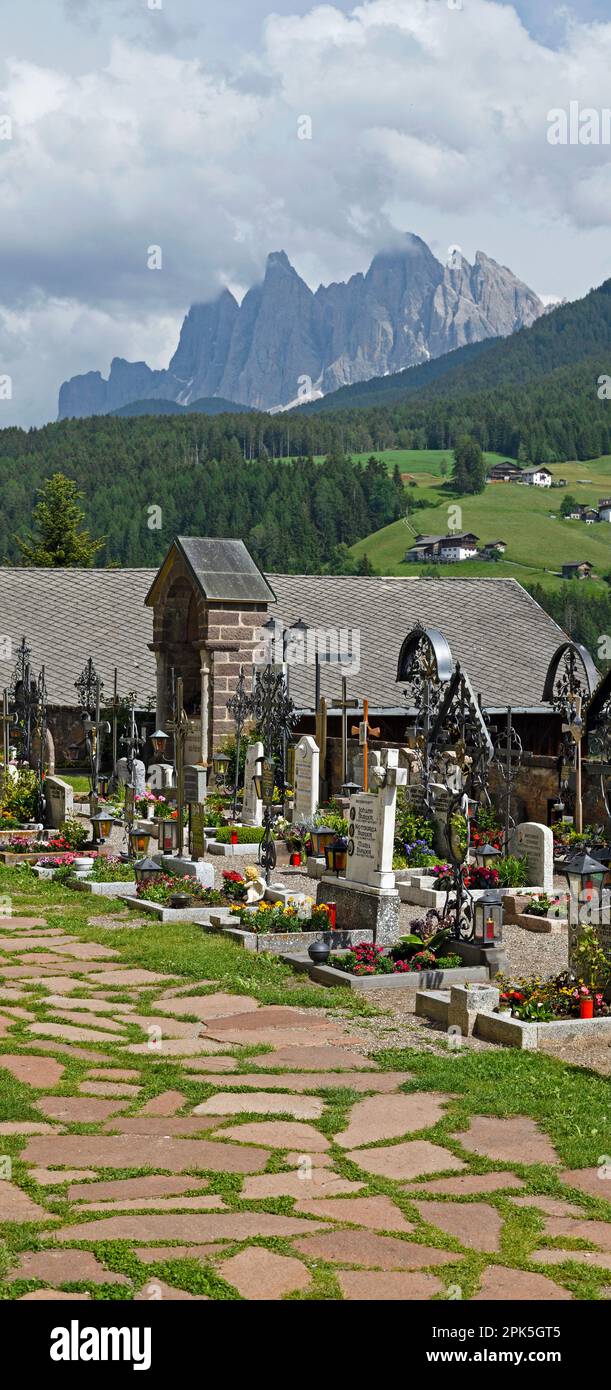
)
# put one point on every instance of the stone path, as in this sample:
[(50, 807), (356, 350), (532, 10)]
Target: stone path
[(301, 1169)]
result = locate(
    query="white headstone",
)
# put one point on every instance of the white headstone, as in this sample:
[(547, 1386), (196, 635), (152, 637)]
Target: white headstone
[(193, 743), (374, 763), (138, 779), (60, 801), (537, 843), (252, 806), (372, 829), (307, 773)]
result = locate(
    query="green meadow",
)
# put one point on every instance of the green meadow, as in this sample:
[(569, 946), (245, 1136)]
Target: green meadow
[(528, 519)]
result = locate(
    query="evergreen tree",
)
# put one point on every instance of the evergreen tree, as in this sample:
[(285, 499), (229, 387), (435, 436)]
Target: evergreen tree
[(469, 473), (61, 540)]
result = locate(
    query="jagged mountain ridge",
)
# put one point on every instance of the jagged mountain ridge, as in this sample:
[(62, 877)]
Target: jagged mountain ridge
[(285, 339)]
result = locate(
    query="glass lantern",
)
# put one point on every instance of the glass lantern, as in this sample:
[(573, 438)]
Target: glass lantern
[(336, 855), (320, 838), (103, 781), (350, 789), (147, 871), (159, 740), (138, 841), (486, 855), (585, 877), (101, 825), (168, 836), (488, 919), (220, 764)]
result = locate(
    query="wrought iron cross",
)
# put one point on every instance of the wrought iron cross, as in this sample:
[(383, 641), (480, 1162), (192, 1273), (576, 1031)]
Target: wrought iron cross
[(180, 726)]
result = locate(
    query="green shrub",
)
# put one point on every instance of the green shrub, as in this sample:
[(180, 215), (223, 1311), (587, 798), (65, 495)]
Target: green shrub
[(19, 798), (247, 835), (74, 833)]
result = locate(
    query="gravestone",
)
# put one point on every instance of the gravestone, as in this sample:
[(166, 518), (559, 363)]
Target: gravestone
[(252, 806), (198, 824), (59, 798), (195, 785), (193, 742), (138, 779), (367, 897), (358, 767), (306, 782), (537, 843)]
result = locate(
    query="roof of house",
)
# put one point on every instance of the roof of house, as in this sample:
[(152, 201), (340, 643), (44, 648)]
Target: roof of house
[(495, 629), (577, 564)]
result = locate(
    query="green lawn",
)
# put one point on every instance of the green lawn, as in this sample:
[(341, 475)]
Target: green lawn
[(416, 461), (528, 519)]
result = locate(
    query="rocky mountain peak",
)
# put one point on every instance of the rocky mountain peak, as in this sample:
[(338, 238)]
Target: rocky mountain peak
[(283, 339)]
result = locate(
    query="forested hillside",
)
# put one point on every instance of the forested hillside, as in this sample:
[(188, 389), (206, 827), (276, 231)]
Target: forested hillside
[(294, 515)]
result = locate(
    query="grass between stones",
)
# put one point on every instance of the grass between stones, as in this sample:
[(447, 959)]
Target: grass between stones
[(571, 1104)]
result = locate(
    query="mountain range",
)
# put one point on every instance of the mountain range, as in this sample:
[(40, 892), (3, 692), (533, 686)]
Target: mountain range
[(285, 343)]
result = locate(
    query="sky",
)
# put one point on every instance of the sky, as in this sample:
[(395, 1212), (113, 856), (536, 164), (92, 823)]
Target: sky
[(176, 124)]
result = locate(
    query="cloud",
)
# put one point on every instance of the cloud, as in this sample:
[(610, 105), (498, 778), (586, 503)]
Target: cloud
[(423, 117)]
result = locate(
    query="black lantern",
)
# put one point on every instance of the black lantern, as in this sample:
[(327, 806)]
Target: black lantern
[(159, 740), (168, 837), (103, 782), (320, 838), (336, 854), (585, 877), (488, 919), (147, 871), (220, 763), (101, 825), (264, 782), (351, 789), (138, 841), (486, 855)]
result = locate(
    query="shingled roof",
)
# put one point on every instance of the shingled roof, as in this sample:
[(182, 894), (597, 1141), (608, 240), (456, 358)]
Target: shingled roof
[(494, 628)]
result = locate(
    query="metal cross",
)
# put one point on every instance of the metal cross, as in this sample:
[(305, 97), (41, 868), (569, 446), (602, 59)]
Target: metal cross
[(180, 726), (365, 731)]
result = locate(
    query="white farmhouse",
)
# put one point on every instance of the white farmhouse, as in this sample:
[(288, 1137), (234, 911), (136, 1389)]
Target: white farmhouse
[(604, 509), (458, 547), (536, 477)]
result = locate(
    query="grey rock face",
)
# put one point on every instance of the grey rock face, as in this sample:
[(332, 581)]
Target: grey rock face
[(407, 308)]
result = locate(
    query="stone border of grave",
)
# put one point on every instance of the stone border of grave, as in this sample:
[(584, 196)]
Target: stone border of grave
[(423, 894), (233, 851), (408, 980), (471, 1011), (118, 889), (277, 943), (198, 916)]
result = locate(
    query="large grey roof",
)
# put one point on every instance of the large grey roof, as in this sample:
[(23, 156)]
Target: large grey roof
[(494, 628), (68, 615), (504, 640)]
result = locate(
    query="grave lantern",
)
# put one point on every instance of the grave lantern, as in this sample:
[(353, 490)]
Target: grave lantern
[(167, 836), (585, 877), (488, 919), (320, 838), (336, 854), (103, 781), (101, 825), (486, 855), (147, 871), (220, 764), (350, 789), (159, 740), (138, 841)]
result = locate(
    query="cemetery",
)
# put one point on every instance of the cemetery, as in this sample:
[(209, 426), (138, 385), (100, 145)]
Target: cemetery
[(272, 892)]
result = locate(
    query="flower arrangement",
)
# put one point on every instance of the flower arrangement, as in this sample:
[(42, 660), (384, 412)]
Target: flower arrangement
[(373, 960), (277, 917), (168, 886), (474, 876), (541, 905), (235, 885), (535, 1000)]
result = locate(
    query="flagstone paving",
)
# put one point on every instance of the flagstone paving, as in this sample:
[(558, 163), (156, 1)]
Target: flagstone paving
[(308, 1143)]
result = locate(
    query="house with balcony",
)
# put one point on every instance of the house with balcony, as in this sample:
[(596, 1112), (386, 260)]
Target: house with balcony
[(535, 477)]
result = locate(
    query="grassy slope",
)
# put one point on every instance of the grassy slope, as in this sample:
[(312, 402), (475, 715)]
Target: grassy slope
[(538, 541)]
